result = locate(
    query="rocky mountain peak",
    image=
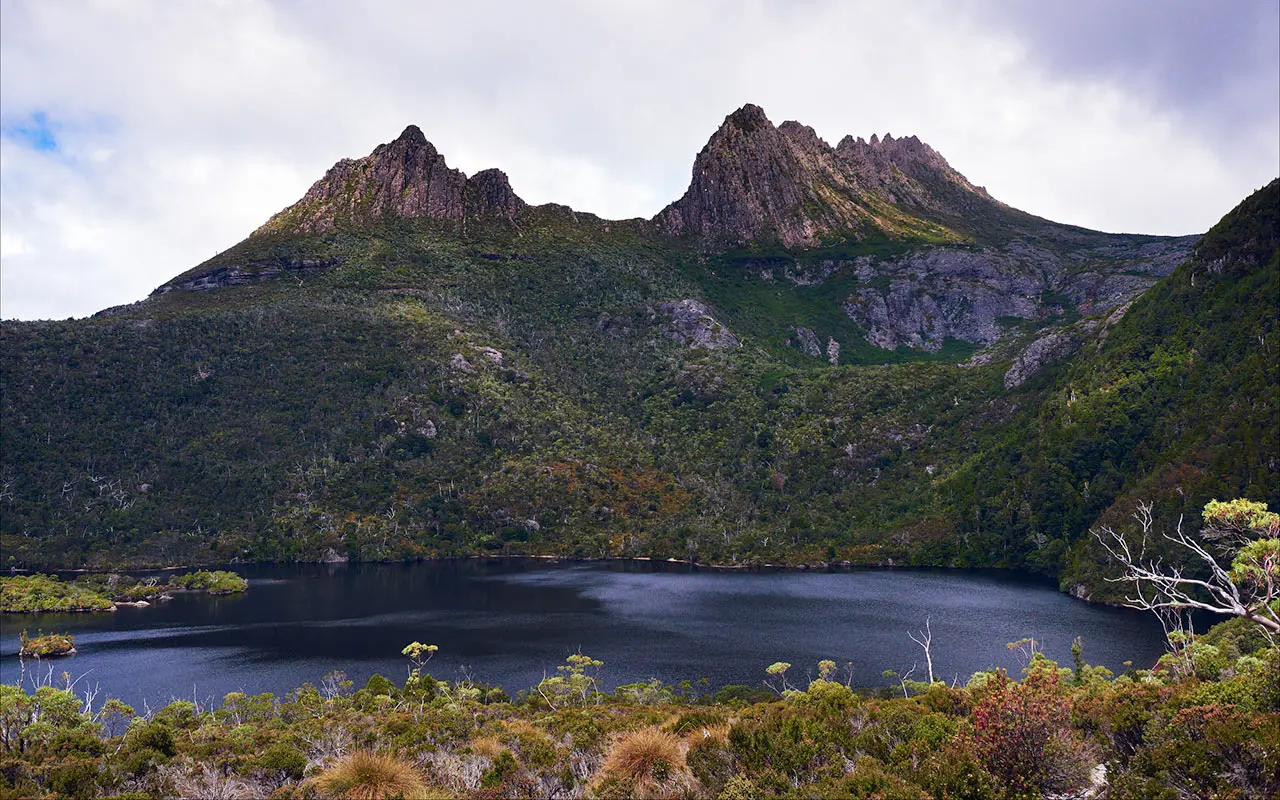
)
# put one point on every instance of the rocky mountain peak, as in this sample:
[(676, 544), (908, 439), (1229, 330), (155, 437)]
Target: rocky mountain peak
[(757, 182), (406, 177), (412, 134), (747, 119), (489, 192)]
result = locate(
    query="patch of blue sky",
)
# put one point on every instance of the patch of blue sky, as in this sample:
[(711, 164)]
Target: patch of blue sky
[(35, 131)]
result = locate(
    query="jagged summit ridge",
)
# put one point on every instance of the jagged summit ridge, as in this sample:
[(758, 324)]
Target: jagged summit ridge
[(406, 177), (755, 181), (752, 182)]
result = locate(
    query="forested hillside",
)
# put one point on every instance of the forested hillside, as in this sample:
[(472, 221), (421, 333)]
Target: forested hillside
[(412, 363)]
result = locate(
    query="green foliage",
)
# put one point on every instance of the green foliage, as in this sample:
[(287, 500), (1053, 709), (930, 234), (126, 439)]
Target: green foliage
[(220, 582), (46, 646), (1177, 404), (26, 594), (1203, 735), (574, 685), (379, 685), (283, 761)]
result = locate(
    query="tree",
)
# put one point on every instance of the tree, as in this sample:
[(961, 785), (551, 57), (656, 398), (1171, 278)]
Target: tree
[(1248, 586), (925, 640)]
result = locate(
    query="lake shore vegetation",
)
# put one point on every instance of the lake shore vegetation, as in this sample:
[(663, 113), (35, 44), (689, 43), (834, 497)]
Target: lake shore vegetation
[(1203, 722), (35, 594)]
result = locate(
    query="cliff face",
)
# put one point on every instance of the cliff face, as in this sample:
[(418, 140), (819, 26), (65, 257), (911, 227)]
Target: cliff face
[(754, 182), (403, 178), (927, 296)]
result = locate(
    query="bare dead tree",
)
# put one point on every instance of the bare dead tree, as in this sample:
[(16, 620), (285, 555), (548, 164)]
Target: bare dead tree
[(1158, 586), (925, 641)]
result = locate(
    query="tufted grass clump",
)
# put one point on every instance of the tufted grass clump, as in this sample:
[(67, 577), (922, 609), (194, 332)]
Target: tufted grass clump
[(365, 775), (645, 760)]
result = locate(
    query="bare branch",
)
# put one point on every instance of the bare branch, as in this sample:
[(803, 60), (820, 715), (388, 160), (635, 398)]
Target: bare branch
[(925, 641), (1158, 587)]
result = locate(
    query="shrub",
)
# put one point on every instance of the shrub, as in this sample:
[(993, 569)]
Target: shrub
[(1207, 751), (153, 736), (739, 787), (502, 768), (737, 693), (178, 714), (75, 778), (379, 685), (220, 582), (1022, 736), (47, 646), (363, 775), (710, 761), (282, 761), (30, 593), (869, 779), (645, 758)]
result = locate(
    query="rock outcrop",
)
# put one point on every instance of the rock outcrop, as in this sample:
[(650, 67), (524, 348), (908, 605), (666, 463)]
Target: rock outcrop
[(693, 323), (807, 340), (251, 271), (754, 182), (929, 295), (403, 178), (1039, 354)]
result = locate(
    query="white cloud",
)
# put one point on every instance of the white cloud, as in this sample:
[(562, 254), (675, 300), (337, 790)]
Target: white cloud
[(181, 127)]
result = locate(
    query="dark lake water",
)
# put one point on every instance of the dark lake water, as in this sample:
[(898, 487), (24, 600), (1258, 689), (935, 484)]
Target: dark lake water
[(509, 622)]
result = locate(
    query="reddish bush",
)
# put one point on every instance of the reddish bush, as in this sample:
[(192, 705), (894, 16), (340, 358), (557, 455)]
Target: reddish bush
[(1022, 736)]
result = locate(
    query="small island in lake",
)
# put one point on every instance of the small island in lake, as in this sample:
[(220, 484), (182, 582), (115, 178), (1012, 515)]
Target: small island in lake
[(46, 646), (26, 594)]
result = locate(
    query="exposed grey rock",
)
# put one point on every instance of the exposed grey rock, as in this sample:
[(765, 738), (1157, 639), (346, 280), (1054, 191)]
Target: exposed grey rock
[(693, 323), (931, 294), (1040, 353), (427, 429), (492, 354), (256, 271), (331, 556), (833, 352), (807, 341), (460, 363)]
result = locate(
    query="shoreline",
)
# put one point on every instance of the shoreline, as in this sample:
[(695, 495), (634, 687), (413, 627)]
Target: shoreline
[(821, 566)]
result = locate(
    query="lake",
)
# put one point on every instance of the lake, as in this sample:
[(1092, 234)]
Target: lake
[(512, 621)]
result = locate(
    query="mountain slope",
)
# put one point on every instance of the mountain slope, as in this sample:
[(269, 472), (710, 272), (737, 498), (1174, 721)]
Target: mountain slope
[(1176, 404), (817, 354)]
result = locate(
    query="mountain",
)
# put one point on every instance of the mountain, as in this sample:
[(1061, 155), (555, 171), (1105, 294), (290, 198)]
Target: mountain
[(403, 178), (816, 354), (755, 182)]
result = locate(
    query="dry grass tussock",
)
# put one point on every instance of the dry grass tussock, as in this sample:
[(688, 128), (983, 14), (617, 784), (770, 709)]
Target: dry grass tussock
[(363, 775), (521, 727), (487, 746), (709, 735), (650, 761)]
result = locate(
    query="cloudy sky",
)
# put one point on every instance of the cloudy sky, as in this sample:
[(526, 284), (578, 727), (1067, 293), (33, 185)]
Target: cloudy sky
[(140, 138)]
